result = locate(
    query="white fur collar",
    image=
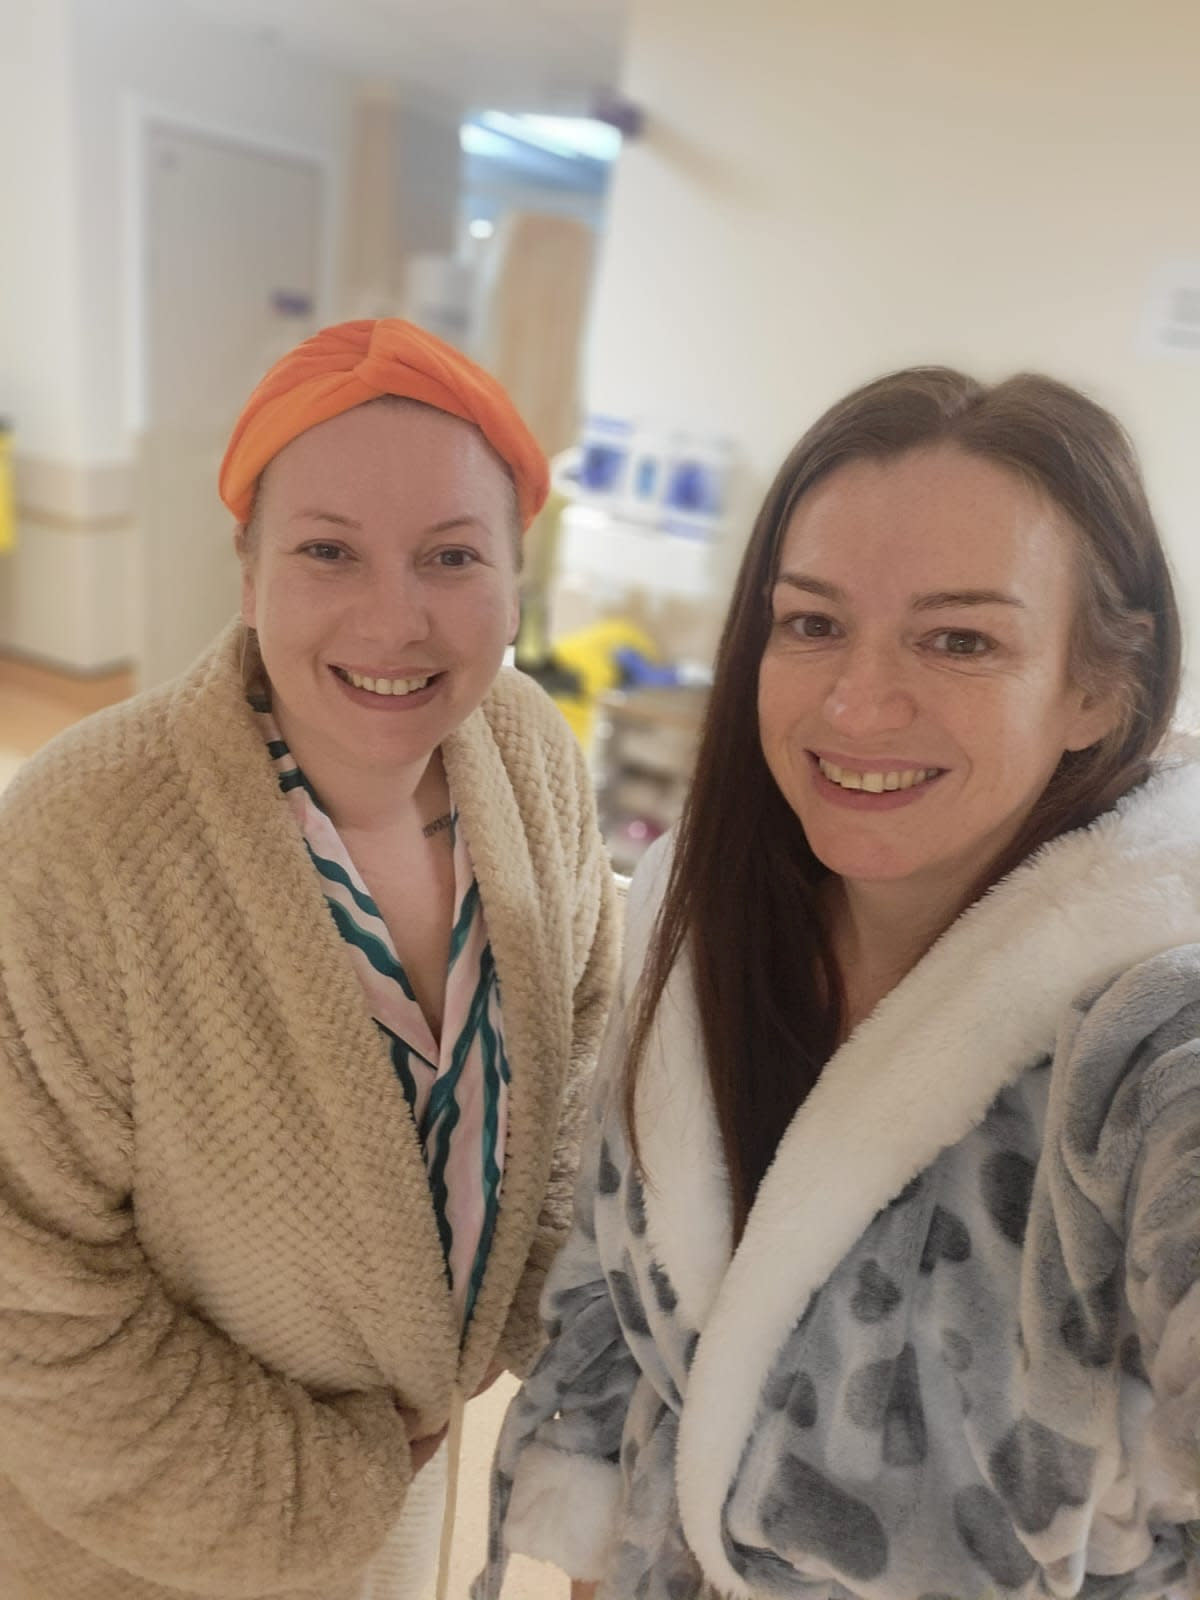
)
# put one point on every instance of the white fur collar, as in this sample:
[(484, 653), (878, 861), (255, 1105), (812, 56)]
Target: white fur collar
[(898, 1092)]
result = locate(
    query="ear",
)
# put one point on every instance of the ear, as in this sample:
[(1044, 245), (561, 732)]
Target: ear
[(1099, 712), (1095, 719), (249, 589)]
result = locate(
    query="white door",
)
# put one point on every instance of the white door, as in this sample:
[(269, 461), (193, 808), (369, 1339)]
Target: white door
[(231, 264)]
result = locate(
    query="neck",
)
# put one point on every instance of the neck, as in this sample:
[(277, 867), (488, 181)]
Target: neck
[(881, 931), (365, 797)]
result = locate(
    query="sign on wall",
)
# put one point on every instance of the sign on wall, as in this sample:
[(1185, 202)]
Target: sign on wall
[(1171, 325)]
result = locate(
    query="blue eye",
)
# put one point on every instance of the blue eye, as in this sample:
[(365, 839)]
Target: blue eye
[(455, 559)]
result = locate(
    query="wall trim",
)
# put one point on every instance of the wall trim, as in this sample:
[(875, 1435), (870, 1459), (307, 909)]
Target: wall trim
[(82, 691), (74, 494), (28, 517)]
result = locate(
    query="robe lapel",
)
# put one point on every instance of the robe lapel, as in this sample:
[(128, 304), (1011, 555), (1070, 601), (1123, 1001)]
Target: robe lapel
[(688, 1214), (533, 966), (339, 1059)]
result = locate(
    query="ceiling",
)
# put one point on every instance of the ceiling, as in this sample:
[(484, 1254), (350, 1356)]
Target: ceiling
[(528, 55)]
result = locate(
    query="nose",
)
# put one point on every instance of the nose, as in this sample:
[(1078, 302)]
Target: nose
[(869, 695), (393, 608)]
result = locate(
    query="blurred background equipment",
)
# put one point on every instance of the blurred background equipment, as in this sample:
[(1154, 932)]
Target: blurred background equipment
[(632, 609), (578, 668), (648, 740), (8, 506)]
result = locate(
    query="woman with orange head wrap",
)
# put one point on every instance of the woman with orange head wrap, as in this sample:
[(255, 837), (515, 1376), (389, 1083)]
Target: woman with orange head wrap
[(303, 964)]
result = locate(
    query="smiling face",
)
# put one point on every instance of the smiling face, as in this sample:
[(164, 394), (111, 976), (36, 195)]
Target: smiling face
[(382, 584), (915, 694)]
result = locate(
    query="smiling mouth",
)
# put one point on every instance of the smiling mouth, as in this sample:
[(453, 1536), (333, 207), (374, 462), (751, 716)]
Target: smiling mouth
[(885, 781), (385, 686)]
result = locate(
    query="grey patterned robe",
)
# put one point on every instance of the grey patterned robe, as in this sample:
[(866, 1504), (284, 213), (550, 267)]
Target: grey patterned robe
[(957, 1351)]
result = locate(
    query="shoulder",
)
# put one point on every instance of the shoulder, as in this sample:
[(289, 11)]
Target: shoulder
[(76, 793), (116, 784), (519, 711), (1087, 907), (540, 753), (519, 742), (643, 902), (1138, 848), (649, 882), (1147, 1010)]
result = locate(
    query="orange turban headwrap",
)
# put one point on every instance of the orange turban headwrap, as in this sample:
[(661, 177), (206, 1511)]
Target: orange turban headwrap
[(347, 365)]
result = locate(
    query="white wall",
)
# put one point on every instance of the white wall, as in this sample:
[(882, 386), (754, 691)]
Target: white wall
[(829, 191), (39, 261), (131, 57), (75, 78)]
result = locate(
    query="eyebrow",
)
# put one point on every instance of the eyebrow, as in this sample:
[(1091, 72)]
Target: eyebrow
[(468, 519), (316, 514), (940, 600), (944, 599)]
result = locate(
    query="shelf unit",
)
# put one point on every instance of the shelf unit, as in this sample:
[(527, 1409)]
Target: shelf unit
[(646, 749)]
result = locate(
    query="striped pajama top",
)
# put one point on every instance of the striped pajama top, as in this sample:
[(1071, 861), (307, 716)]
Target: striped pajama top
[(456, 1088)]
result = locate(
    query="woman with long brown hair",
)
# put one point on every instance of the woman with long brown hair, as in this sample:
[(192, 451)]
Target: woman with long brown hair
[(885, 1275)]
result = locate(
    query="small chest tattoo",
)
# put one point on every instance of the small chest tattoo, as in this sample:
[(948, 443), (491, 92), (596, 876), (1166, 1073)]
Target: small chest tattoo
[(436, 826)]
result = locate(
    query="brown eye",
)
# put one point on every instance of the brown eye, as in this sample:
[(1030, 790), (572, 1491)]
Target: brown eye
[(812, 625), (962, 642)]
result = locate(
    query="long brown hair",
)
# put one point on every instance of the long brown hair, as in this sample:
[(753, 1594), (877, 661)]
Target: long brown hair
[(742, 892)]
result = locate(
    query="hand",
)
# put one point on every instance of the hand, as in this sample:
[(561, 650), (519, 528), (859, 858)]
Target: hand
[(424, 1449), (493, 1372), (581, 1590)]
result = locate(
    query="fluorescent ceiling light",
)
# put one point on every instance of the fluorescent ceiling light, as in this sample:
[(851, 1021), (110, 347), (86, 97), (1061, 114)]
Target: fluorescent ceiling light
[(477, 141), (572, 138)]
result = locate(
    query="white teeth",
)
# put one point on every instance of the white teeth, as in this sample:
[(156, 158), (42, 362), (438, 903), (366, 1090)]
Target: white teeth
[(875, 782), (385, 685)]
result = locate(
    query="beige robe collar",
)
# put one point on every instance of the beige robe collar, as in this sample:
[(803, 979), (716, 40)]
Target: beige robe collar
[(345, 1066)]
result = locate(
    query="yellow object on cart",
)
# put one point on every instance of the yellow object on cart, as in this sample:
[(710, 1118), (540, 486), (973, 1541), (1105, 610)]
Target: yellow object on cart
[(590, 656), (8, 504)]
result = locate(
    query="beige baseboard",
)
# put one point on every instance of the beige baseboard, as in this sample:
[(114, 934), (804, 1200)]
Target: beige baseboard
[(96, 495), (83, 692)]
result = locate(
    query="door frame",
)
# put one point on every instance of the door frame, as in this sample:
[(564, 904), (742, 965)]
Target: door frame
[(139, 117)]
